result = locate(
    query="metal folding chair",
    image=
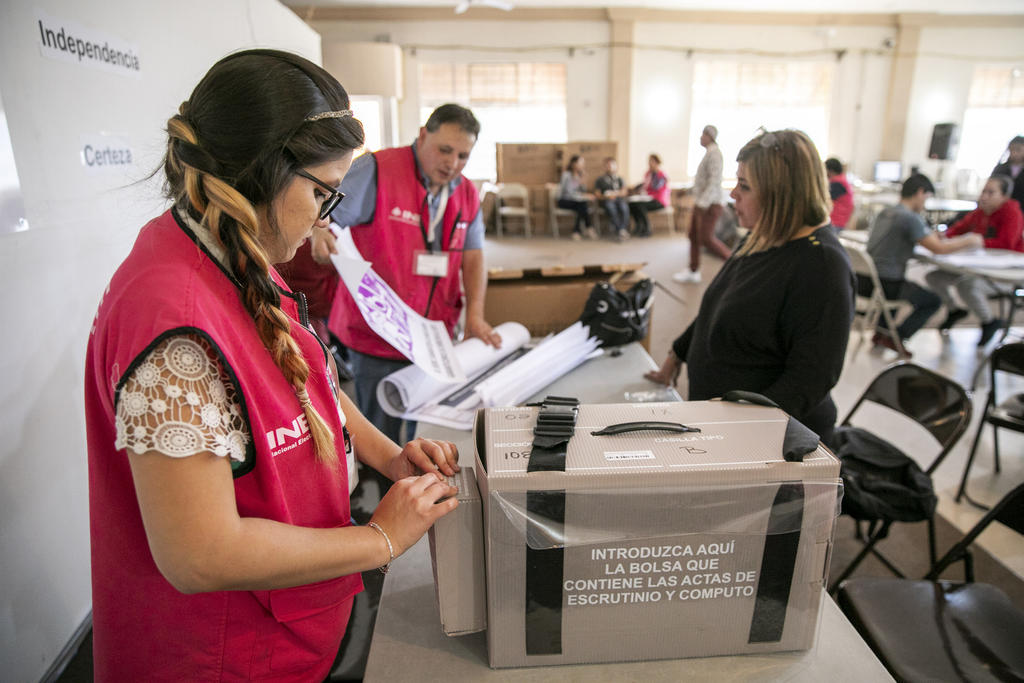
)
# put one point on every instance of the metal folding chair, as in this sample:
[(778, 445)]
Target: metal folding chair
[(932, 630), (1009, 359), (871, 308), (936, 403), (519, 207)]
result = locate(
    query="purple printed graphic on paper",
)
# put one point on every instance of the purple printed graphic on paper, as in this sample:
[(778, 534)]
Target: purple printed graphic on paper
[(384, 312)]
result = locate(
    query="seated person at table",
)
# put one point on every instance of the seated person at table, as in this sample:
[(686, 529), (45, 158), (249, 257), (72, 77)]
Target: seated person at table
[(776, 318), (840, 192), (895, 233), (1012, 164), (652, 195), (573, 196), (1000, 223), (611, 190)]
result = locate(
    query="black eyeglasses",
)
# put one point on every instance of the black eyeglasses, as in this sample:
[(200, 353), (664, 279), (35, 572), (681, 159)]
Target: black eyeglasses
[(333, 196)]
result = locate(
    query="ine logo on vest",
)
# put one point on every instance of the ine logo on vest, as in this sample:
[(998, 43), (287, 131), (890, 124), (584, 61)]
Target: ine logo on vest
[(286, 438), (405, 216)]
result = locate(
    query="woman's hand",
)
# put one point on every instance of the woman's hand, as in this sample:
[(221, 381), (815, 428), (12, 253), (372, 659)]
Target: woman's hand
[(424, 455), (411, 507), (668, 373)]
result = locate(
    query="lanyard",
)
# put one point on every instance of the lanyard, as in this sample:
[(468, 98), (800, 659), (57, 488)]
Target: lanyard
[(442, 204)]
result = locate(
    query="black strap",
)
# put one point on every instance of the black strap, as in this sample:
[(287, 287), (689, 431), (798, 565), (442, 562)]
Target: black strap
[(556, 422), (799, 439), (777, 564)]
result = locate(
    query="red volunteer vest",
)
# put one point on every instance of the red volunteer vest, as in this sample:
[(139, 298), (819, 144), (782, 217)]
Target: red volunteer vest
[(842, 208), (143, 628), (662, 195), (389, 241)]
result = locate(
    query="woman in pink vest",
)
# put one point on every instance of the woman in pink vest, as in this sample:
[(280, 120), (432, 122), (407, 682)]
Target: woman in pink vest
[(650, 195), (220, 448)]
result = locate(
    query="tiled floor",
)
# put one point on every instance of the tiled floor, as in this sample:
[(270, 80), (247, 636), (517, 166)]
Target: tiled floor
[(954, 356)]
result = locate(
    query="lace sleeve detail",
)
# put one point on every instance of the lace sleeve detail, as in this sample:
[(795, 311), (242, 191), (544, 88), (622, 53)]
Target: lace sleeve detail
[(180, 401)]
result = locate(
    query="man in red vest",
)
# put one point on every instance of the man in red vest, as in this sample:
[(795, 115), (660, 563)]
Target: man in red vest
[(416, 218)]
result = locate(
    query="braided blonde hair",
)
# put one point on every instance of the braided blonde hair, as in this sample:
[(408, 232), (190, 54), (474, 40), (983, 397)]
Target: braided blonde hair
[(223, 175)]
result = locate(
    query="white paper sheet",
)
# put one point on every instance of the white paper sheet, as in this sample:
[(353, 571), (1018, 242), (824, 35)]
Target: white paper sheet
[(983, 258), (551, 359), (406, 391), (499, 378), (425, 342)]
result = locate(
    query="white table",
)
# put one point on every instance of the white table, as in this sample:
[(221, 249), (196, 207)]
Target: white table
[(942, 210), (408, 643), (1002, 269)]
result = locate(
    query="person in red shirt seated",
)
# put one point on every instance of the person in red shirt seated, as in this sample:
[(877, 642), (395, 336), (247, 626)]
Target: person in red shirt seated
[(1000, 222), (840, 192)]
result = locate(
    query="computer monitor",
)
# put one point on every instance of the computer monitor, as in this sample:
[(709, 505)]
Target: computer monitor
[(888, 171)]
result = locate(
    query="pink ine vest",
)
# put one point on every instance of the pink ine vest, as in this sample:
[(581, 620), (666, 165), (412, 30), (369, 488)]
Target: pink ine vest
[(389, 241), (144, 629), (842, 208), (663, 196)]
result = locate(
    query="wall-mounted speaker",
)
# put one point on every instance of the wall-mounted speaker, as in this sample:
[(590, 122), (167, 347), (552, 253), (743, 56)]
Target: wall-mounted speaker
[(945, 139)]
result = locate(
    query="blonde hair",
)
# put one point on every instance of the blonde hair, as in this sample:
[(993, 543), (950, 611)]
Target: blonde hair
[(786, 172), (234, 145)]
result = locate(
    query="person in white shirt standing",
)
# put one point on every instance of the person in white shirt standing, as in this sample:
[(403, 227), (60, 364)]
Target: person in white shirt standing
[(707, 189)]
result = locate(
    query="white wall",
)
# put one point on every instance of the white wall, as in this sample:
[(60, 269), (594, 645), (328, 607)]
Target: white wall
[(495, 41), (662, 63), (81, 225), (942, 81), (662, 74)]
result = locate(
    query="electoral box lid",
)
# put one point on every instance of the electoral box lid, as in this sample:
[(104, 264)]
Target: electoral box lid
[(737, 443)]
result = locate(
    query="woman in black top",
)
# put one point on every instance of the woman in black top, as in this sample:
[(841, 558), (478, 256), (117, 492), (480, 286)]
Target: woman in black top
[(776, 318)]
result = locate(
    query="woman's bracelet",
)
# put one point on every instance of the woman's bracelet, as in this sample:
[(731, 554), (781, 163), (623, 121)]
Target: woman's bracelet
[(391, 551)]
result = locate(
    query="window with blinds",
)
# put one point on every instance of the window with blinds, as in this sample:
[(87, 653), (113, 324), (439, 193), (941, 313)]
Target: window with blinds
[(994, 115), (996, 86), (514, 102), (741, 97)]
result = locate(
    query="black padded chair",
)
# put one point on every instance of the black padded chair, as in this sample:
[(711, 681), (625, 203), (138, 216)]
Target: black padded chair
[(1008, 358), (932, 630), (941, 407)]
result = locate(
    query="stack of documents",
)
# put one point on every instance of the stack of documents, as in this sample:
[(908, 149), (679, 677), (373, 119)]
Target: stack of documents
[(498, 377)]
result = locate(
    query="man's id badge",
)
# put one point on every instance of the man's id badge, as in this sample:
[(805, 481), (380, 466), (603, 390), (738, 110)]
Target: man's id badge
[(431, 264)]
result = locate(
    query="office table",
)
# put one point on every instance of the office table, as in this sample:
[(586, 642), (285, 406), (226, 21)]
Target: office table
[(1002, 269), (408, 643), (941, 210)]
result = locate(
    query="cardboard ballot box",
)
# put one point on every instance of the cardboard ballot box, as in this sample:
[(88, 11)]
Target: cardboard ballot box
[(456, 551), (652, 544), (547, 300)]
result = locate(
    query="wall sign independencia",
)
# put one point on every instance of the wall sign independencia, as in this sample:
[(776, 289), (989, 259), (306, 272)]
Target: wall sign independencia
[(69, 42)]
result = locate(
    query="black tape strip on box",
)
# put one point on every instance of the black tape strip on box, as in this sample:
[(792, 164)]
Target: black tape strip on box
[(777, 564), (556, 422)]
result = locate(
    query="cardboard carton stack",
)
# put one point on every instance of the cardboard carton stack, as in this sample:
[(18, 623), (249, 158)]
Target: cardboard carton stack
[(547, 300), (538, 165)]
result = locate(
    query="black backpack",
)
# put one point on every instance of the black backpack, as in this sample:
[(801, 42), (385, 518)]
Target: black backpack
[(616, 317), (880, 481)]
